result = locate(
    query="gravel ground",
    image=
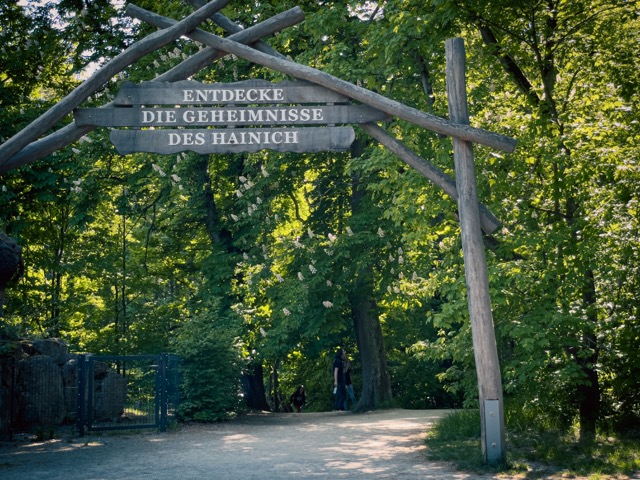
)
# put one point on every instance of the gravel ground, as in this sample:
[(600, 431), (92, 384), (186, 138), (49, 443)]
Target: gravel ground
[(384, 444)]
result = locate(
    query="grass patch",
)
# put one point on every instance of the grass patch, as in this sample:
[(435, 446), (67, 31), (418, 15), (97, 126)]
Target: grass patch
[(533, 453)]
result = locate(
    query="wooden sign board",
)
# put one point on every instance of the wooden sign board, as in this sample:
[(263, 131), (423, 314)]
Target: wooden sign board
[(228, 116), (248, 92), (234, 140)]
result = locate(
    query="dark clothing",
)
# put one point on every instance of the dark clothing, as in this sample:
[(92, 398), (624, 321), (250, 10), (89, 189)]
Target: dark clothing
[(298, 399), (347, 377), (341, 390), (337, 363), (341, 397)]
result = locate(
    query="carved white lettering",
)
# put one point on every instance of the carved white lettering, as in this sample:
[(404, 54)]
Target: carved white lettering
[(158, 116), (187, 138), (217, 116), (254, 137), (239, 95)]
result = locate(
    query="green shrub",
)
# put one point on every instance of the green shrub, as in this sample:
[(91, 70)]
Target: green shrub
[(211, 368)]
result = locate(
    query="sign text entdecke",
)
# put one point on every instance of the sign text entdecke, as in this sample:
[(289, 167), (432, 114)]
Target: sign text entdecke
[(246, 92), (237, 95)]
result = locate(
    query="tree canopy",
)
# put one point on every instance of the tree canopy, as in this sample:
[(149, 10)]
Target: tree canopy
[(288, 256)]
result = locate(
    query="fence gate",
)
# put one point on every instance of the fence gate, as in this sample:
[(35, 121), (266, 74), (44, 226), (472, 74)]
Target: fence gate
[(127, 391)]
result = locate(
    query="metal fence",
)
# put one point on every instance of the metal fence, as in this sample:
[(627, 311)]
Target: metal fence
[(124, 392), (89, 392)]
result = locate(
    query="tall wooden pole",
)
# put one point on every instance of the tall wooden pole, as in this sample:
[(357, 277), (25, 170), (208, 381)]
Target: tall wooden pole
[(475, 266)]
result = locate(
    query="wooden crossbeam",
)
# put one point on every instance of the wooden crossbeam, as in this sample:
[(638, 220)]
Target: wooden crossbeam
[(387, 105), (489, 221), (147, 45), (71, 133)]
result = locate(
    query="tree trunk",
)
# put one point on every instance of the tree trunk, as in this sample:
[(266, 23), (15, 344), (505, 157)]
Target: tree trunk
[(376, 385), (589, 393), (253, 386)]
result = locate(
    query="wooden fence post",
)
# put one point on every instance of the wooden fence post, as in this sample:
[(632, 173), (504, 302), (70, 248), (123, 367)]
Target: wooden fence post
[(475, 266)]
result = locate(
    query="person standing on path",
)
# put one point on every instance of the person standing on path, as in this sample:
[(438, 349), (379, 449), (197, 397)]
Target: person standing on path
[(339, 386), (350, 395)]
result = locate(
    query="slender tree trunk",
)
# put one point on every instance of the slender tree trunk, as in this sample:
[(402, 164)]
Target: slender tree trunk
[(589, 393)]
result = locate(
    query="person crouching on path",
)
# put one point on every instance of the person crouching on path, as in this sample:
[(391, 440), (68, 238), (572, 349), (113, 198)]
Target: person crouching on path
[(338, 380), (298, 398)]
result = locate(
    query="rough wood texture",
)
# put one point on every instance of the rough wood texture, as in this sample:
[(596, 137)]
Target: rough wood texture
[(483, 334), (488, 221), (71, 133), (392, 107), (234, 140), (253, 91), (147, 45), (228, 116)]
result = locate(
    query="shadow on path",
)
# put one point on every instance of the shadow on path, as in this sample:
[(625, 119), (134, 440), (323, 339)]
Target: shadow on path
[(382, 444)]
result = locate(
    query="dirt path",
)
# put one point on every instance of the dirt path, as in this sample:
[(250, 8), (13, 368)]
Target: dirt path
[(379, 445)]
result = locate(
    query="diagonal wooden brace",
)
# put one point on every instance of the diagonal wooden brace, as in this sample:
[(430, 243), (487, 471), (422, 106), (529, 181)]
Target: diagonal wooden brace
[(71, 133), (387, 105), (147, 45), (488, 221)]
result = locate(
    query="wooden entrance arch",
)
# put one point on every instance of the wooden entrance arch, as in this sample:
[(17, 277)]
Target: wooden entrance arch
[(27, 146)]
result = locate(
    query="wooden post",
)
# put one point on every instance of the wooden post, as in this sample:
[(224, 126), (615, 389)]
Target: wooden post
[(484, 340)]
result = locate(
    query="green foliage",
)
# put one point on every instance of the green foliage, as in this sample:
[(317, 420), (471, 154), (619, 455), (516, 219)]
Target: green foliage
[(533, 448), (121, 251), (211, 366)]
